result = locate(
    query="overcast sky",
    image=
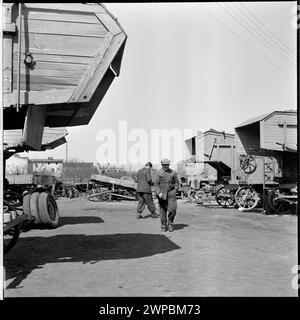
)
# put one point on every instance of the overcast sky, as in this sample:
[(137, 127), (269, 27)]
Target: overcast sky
[(195, 65)]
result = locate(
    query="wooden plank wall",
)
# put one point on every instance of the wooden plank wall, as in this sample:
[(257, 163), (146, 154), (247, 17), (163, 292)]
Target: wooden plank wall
[(273, 130), (63, 44), (72, 46)]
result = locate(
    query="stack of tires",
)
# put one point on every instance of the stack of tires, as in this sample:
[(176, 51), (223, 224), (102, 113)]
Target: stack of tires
[(42, 208)]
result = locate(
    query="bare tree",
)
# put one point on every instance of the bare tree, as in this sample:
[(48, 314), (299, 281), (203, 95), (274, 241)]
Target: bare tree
[(102, 168)]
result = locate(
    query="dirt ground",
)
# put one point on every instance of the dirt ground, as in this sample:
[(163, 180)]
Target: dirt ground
[(101, 249)]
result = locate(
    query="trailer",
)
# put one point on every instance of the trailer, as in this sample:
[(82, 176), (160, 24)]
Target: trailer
[(21, 189), (59, 60)]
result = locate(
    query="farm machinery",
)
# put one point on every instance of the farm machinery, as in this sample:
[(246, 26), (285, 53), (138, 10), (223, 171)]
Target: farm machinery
[(59, 60), (262, 170)]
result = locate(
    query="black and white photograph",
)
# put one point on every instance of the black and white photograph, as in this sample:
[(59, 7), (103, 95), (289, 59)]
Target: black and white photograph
[(149, 150)]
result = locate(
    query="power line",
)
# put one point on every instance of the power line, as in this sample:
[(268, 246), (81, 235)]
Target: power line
[(280, 48), (247, 43), (284, 45), (273, 45), (262, 41)]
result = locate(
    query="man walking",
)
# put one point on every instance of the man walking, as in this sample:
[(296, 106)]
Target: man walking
[(166, 185), (144, 182)]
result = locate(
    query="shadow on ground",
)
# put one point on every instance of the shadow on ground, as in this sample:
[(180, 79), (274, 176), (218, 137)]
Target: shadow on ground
[(150, 216), (64, 221), (79, 220), (179, 226), (33, 252), (216, 206)]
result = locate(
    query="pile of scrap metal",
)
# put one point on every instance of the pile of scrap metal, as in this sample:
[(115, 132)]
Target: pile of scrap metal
[(68, 191), (105, 188)]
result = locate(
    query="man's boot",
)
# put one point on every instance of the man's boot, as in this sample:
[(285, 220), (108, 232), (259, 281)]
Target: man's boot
[(171, 227), (154, 215)]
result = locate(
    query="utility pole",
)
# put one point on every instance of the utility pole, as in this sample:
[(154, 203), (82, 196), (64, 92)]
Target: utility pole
[(66, 151)]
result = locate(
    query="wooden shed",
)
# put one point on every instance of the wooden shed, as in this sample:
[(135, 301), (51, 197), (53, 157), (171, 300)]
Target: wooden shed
[(59, 59)]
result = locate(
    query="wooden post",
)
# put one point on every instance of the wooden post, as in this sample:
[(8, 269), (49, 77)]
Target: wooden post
[(34, 126), (284, 136), (233, 168)]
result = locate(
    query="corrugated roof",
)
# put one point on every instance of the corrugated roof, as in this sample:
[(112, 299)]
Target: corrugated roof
[(262, 117)]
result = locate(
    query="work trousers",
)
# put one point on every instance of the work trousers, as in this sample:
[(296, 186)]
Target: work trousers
[(168, 206), (145, 199)]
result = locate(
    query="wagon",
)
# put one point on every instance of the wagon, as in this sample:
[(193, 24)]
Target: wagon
[(59, 60), (265, 164)]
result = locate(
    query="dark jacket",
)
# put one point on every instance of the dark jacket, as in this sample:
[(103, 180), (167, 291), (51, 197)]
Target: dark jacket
[(144, 181), (166, 181)]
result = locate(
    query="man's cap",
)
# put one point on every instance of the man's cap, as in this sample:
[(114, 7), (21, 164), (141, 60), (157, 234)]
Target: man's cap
[(165, 161), (148, 164)]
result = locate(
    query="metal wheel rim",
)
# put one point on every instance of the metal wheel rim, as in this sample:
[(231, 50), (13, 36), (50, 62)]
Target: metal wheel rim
[(224, 202), (246, 198)]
